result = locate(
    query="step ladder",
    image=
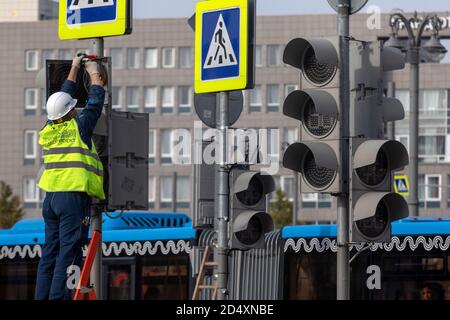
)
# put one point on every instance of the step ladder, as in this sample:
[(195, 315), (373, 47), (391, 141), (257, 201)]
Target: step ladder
[(201, 276)]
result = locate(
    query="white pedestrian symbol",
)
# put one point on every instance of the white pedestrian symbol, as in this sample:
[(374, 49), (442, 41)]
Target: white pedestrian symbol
[(220, 52), (401, 186), (83, 4)]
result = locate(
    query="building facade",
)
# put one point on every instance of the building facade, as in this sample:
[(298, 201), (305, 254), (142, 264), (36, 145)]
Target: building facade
[(153, 73)]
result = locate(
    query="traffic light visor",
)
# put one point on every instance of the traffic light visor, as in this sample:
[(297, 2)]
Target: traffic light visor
[(316, 57)]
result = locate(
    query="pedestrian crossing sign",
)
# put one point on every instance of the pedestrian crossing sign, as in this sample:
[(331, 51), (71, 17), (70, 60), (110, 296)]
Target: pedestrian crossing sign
[(224, 45), (401, 185), (81, 19)]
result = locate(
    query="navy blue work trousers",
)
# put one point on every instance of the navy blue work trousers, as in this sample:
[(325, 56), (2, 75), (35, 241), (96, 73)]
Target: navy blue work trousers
[(66, 216)]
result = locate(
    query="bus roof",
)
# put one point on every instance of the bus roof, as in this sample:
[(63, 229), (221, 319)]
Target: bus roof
[(145, 226), (404, 227)]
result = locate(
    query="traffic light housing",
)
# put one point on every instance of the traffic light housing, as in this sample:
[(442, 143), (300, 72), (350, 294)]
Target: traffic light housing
[(317, 107), (374, 159), (249, 220)]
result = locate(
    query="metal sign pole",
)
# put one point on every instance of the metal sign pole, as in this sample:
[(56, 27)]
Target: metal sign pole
[(222, 199), (96, 223), (343, 216)]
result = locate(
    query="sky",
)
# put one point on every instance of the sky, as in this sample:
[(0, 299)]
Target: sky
[(185, 8)]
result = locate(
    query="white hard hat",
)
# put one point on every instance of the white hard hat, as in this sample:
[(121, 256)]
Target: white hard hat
[(59, 104)]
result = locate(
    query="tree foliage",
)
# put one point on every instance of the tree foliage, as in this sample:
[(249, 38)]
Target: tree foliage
[(10, 209), (281, 210)]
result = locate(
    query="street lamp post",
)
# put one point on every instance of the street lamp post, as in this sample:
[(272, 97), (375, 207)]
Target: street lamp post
[(436, 52)]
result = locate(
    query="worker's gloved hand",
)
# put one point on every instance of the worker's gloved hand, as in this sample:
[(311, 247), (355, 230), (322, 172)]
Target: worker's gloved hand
[(91, 67), (77, 61)]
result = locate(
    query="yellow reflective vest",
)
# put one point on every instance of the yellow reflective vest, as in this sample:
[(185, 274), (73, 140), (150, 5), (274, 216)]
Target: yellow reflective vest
[(69, 164)]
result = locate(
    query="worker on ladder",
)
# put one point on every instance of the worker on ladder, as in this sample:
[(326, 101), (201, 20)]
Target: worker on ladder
[(72, 173)]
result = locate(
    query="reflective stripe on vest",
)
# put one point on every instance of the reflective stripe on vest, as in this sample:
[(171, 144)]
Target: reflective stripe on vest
[(69, 164), (65, 150), (73, 164)]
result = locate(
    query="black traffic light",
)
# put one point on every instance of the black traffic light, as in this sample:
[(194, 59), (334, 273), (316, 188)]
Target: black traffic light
[(316, 106), (249, 220), (374, 159)]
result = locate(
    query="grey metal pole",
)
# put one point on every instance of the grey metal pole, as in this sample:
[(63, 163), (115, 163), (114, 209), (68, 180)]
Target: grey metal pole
[(296, 199), (391, 94), (174, 192), (343, 218), (414, 133), (96, 222), (222, 200)]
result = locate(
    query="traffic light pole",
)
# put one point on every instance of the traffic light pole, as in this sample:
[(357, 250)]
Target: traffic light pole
[(391, 94), (222, 199), (414, 133), (96, 214), (343, 215)]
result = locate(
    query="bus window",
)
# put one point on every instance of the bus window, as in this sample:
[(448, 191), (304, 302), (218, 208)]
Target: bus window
[(18, 280), (164, 278), (119, 282)]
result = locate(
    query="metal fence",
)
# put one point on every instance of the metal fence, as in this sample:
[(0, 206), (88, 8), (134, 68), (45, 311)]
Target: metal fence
[(253, 275)]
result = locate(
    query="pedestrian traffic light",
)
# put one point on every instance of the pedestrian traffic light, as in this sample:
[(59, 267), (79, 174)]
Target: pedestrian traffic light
[(374, 159), (249, 220), (316, 105)]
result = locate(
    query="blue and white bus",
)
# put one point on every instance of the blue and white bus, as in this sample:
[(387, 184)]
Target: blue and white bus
[(156, 256)]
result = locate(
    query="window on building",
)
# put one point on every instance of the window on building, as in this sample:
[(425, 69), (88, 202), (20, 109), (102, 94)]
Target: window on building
[(258, 56), (30, 190), (31, 60), (289, 88), (309, 200), (185, 96), (183, 191), (273, 98), (432, 148), (151, 58), (186, 57), (168, 55), (166, 191), (273, 55), (290, 136), (404, 139), (448, 190), (65, 54), (151, 191), (288, 187), (166, 146), (133, 58), (31, 99), (150, 98), (403, 96), (433, 103), (433, 188), (324, 200), (132, 98), (421, 189), (316, 200), (181, 141), (116, 58), (117, 98), (152, 146), (44, 101), (273, 147), (273, 195), (429, 190), (30, 144), (255, 99), (47, 55), (167, 99)]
